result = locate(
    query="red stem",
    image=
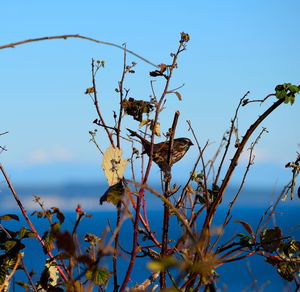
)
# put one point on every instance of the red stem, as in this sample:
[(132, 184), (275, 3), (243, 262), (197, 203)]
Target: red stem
[(29, 221)]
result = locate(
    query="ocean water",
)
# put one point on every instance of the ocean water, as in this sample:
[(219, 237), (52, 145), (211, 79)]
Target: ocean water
[(236, 276), (250, 274)]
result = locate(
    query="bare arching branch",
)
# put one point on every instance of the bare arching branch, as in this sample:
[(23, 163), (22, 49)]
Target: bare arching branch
[(12, 45)]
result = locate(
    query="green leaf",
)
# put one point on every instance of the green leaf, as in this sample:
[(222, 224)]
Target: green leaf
[(156, 128), (99, 277), (13, 246), (292, 99), (25, 233), (24, 285), (114, 194), (245, 240), (9, 217), (48, 240), (38, 213), (10, 244), (144, 122), (3, 274), (287, 91), (294, 88), (287, 269), (280, 94), (162, 264), (290, 248)]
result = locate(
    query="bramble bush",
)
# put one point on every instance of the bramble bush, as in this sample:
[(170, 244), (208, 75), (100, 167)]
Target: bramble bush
[(187, 261)]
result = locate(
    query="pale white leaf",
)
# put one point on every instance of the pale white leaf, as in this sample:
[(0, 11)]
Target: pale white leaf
[(113, 165)]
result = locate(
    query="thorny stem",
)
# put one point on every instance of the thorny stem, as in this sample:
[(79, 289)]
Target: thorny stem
[(135, 228), (212, 209), (28, 275), (141, 192), (134, 245), (121, 98), (250, 162), (116, 244), (165, 91), (165, 229), (13, 45), (145, 224), (29, 221)]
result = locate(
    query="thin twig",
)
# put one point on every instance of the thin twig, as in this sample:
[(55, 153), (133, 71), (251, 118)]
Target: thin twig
[(96, 103), (233, 165), (229, 137), (116, 246), (250, 163), (246, 101), (121, 83), (207, 200), (13, 45)]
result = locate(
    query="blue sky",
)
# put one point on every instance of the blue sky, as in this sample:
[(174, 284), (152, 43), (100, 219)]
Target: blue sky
[(235, 46)]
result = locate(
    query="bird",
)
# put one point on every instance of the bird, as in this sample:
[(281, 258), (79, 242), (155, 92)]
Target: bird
[(161, 150)]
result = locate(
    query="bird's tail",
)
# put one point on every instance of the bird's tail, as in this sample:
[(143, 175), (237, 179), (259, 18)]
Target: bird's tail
[(134, 134)]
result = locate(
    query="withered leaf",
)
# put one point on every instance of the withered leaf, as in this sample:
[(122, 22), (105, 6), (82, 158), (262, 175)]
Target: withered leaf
[(113, 165), (156, 128), (136, 108), (90, 90), (247, 227), (270, 239)]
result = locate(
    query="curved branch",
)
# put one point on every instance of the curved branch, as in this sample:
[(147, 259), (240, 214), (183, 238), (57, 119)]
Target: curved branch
[(12, 45)]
